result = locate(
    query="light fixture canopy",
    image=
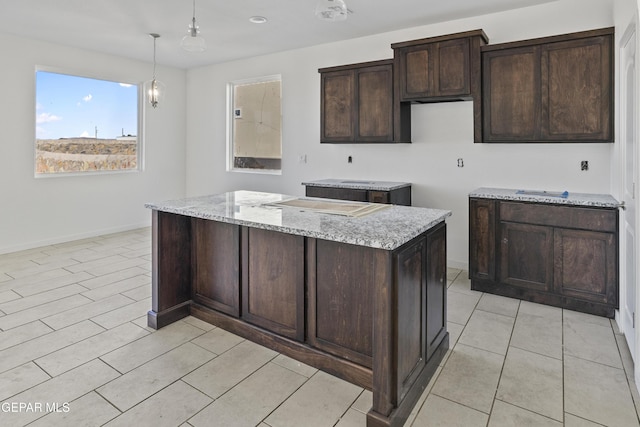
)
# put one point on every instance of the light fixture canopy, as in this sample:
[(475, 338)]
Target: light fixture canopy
[(154, 88), (331, 10), (193, 41)]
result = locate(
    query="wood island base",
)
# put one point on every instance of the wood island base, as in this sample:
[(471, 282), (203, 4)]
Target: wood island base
[(373, 317)]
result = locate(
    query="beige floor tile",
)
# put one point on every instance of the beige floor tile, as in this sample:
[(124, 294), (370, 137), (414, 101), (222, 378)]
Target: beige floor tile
[(145, 349), (538, 332), (598, 393), (168, 408), (59, 390), (225, 371), (532, 381), (35, 287), (108, 279), (321, 401), (589, 341), (90, 410), (295, 366), (455, 330), (38, 347), (93, 347), (122, 265), (97, 263), (54, 307), (439, 412), (87, 311), (460, 306), (26, 271), (576, 316), (23, 333), (123, 314), (118, 287), (352, 418), (20, 379), (478, 370), (5, 278), (253, 399), (141, 292), (146, 380), (41, 298), (452, 273), (506, 415), (499, 305), (218, 340), (488, 331), (6, 296), (573, 421), (462, 284), (423, 397), (364, 402), (198, 323)]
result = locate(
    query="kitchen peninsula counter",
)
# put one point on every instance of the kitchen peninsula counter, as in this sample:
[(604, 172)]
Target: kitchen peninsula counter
[(355, 289)]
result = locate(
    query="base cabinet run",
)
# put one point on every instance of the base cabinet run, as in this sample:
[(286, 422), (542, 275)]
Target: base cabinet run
[(566, 256), (374, 317)]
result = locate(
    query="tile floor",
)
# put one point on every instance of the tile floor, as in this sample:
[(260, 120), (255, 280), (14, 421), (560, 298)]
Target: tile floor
[(75, 350)]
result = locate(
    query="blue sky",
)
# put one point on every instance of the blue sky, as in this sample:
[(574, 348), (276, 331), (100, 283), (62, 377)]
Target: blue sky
[(70, 106)]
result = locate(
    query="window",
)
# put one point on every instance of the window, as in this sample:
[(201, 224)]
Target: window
[(255, 125), (85, 125)]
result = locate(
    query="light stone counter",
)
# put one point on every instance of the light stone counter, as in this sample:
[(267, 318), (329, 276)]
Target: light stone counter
[(387, 228), (357, 184), (524, 195)]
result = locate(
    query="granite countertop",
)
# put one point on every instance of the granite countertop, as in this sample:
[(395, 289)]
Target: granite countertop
[(355, 184), (568, 198), (386, 228)]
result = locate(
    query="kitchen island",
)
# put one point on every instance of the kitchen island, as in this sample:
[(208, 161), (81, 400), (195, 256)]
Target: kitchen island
[(355, 289)]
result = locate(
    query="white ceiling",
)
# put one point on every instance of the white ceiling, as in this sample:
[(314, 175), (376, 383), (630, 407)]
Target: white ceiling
[(121, 27)]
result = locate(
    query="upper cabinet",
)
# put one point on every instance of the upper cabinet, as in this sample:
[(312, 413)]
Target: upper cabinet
[(444, 68), (554, 89), (358, 104)]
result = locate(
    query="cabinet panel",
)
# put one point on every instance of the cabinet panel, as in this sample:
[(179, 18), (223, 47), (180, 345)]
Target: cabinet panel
[(560, 216), (436, 288), (216, 271), (482, 238), (586, 265), (453, 67), (375, 104), (273, 281), (526, 255), (419, 72), (337, 193), (338, 103), (341, 300), (511, 94), (579, 102)]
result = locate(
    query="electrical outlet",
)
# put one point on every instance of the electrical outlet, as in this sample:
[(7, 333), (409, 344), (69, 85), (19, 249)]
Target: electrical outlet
[(349, 159), (584, 165)]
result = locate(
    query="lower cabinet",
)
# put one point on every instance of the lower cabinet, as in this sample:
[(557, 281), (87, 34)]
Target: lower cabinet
[(398, 196), (566, 256)]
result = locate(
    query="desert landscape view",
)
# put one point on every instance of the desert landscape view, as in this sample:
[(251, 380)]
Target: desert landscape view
[(68, 155)]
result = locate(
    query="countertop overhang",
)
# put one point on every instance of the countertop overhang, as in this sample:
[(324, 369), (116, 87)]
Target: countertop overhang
[(355, 184), (524, 195), (384, 229)]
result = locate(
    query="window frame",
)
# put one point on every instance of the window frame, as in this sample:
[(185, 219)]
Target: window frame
[(230, 137), (86, 74)]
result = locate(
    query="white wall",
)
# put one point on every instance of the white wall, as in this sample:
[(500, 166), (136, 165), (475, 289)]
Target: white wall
[(35, 212), (441, 133)]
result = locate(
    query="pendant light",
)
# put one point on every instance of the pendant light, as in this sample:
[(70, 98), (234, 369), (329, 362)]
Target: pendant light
[(192, 41), (154, 89), (331, 10)]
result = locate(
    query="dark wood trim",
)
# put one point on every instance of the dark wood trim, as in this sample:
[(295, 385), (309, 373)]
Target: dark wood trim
[(550, 39), (356, 66), (167, 317), (472, 33)]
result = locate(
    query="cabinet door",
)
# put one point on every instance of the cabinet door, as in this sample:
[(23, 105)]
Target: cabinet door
[(273, 281), (216, 271), (526, 255), (337, 193), (576, 90), (338, 106), (433, 70), (482, 239), (375, 104), (511, 95), (586, 265)]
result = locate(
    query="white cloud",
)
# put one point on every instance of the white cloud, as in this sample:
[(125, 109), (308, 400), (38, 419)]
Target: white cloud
[(47, 118), (125, 85), (84, 134), (87, 98)]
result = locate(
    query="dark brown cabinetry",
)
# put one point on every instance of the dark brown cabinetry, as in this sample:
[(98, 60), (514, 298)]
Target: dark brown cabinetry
[(444, 68), (565, 256), (554, 89), (357, 104), (398, 196)]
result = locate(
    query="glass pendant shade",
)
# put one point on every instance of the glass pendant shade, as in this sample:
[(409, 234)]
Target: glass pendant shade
[(192, 41), (331, 10), (154, 91)]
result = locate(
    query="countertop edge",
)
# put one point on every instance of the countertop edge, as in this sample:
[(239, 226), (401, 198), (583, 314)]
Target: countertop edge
[(573, 199)]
